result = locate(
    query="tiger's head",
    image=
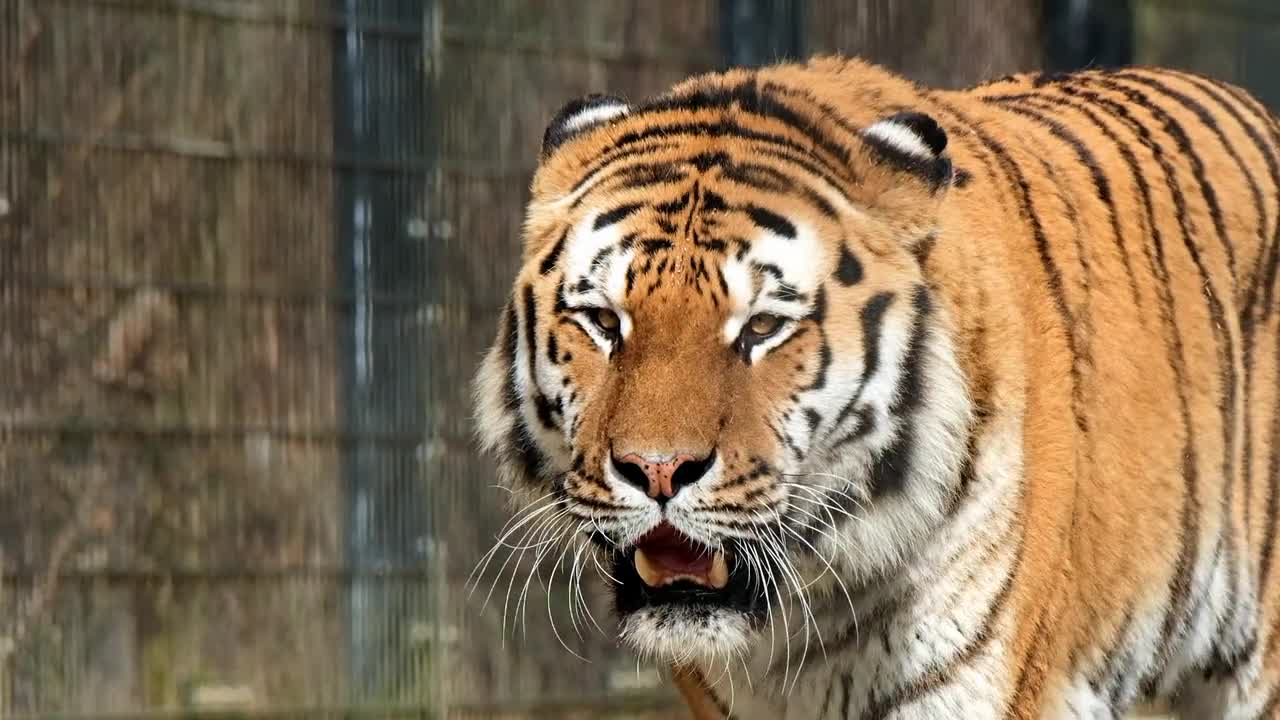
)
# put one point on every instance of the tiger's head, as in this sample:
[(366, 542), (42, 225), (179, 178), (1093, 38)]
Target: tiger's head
[(721, 370)]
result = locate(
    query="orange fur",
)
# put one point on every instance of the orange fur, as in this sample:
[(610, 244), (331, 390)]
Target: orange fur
[(1143, 361)]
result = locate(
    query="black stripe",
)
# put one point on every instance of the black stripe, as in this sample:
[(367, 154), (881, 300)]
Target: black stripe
[(597, 261), (879, 708), (542, 406), (923, 248), (787, 292), (872, 317), (1117, 662), (749, 97), (768, 269), (706, 161), (644, 174), (812, 418), (1013, 172), (653, 245), (713, 202), (1180, 584), (771, 221), (890, 469), (1247, 312), (1267, 152), (830, 115), (824, 365), (673, 206), (693, 208), (636, 175), (553, 348), (726, 128), (849, 272), (1271, 265), (1223, 336), (1101, 186), (553, 256), (1040, 634), (763, 177), (606, 160), (1273, 486), (509, 344), (715, 700), (615, 215), (818, 313), (648, 175), (520, 449), (1211, 123)]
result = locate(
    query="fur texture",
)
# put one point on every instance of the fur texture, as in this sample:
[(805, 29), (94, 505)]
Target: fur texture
[(1013, 448)]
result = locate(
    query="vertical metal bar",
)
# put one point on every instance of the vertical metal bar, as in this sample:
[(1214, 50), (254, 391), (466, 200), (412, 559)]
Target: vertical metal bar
[(1087, 33), (759, 32), (379, 112)]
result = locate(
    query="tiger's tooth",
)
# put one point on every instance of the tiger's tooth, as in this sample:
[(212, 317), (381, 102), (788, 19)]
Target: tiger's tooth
[(648, 573), (719, 575)]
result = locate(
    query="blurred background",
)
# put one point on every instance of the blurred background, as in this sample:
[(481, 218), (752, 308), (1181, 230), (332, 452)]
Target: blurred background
[(250, 254)]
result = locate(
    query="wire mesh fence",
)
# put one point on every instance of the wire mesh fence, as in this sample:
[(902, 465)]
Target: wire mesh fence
[(250, 253)]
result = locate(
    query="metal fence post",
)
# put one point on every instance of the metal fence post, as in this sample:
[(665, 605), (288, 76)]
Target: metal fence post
[(1084, 33), (382, 245), (759, 32)]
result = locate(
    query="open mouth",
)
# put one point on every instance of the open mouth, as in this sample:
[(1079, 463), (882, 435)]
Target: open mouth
[(667, 568), (665, 556)]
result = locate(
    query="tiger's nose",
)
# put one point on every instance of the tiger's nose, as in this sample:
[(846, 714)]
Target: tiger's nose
[(663, 476)]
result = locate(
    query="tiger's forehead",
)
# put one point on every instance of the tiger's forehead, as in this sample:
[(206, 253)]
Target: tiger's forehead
[(740, 253)]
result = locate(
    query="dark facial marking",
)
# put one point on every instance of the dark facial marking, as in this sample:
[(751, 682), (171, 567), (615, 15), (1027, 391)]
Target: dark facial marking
[(850, 270), (615, 215), (549, 262), (771, 221), (653, 245)]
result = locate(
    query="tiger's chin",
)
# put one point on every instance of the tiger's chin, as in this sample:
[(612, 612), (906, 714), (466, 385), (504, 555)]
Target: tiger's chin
[(681, 601), (687, 634)]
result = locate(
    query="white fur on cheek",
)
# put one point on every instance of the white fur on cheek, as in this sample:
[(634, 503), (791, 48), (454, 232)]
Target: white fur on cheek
[(493, 423)]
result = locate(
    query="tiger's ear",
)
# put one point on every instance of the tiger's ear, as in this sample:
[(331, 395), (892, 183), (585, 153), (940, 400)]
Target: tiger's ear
[(913, 143), (581, 115)]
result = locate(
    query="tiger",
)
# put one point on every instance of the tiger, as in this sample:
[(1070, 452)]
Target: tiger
[(865, 399)]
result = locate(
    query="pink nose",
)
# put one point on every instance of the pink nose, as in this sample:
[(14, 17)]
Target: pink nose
[(662, 477)]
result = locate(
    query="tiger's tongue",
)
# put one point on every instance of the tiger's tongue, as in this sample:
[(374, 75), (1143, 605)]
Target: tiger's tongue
[(679, 559), (664, 556)]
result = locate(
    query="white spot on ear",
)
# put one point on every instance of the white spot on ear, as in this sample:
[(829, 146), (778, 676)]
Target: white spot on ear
[(594, 115), (901, 137)]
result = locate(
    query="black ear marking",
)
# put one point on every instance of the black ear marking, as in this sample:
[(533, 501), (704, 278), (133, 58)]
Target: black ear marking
[(925, 127), (580, 115), (913, 142)]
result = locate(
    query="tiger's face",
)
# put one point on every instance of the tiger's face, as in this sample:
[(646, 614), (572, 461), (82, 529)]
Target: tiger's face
[(721, 375)]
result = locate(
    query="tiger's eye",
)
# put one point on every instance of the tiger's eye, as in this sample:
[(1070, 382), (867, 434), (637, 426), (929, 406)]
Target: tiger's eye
[(605, 319), (764, 324)]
